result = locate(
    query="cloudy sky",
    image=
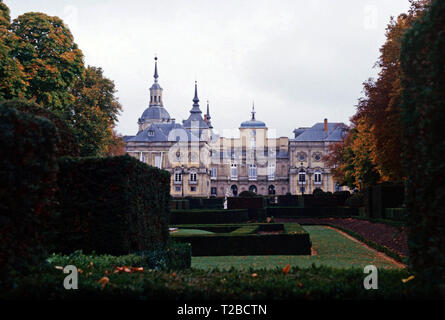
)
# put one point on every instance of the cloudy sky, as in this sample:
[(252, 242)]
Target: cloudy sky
[(300, 61)]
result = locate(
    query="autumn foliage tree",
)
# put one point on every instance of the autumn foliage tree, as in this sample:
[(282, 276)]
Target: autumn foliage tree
[(12, 78), (375, 144), (40, 62), (94, 112)]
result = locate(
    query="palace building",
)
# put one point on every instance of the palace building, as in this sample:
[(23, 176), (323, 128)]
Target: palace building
[(204, 164)]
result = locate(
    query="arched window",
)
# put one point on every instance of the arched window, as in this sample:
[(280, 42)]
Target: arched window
[(271, 189), (253, 188), (234, 190)]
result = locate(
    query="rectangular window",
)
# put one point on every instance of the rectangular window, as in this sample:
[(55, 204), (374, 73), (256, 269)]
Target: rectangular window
[(271, 171), (192, 189), (158, 162), (177, 189), (213, 191), (317, 177), (193, 177), (302, 177), (233, 171), (213, 173), (252, 172), (178, 177)]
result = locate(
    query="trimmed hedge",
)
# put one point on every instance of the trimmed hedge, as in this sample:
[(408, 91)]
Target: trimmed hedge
[(423, 99), (197, 203), (254, 205), (316, 283), (208, 216), (176, 256), (397, 214), (179, 204), (297, 212), (28, 170), (113, 205), (239, 244)]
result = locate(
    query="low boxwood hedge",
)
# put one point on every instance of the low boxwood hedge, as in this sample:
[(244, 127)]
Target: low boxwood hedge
[(316, 283), (248, 242), (298, 212), (176, 256), (204, 216)]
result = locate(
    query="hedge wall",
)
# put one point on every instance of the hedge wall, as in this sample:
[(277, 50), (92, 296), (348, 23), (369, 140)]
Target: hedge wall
[(28, 171), (113, 205), (209, 216), (296, 212), (254, 205), (238, 244), (423, 117)]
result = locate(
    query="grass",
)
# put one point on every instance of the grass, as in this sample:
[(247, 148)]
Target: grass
[(332, 249), (186, 232)]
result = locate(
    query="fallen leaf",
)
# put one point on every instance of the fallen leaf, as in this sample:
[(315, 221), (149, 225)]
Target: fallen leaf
[(103, 281), (286, 269), (408, 279)]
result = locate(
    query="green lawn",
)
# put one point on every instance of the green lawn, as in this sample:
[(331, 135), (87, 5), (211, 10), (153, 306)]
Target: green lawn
[(333, 249), (186, 232)]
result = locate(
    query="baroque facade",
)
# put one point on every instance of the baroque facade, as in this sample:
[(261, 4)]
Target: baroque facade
[(204, 164)]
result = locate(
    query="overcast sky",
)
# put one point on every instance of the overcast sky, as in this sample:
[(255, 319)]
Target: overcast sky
[(300, 61)]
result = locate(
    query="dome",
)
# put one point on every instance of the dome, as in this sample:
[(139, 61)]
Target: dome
[(253, 124), (155, 113)]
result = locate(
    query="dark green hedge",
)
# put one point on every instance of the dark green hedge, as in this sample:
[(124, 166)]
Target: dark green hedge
[(423, 117), (208, 216), (397, 214), (67, 144), (241, 244), (295, 212), (114, 205), (181, 204), (317, 283), (28, 171), (245, 203), (176, 256)]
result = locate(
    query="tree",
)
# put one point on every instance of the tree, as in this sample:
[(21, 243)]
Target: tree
[(12, 79), (66, 143), (423, 116), (50, 59), (94, 112)]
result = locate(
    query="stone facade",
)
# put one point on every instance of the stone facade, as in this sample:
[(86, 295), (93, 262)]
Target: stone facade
[(203, 164)]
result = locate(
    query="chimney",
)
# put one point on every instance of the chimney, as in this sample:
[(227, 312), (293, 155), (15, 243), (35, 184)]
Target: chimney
[(325, 125), (205, 118)]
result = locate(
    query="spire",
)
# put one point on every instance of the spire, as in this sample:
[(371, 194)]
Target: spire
[(195, 108), (195, 99), (156, 69), (156, 90), (253, 111), (208, 117)]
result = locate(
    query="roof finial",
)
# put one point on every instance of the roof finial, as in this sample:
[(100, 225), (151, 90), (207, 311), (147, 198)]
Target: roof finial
[(195, 99), (253, 110), (156, 69)]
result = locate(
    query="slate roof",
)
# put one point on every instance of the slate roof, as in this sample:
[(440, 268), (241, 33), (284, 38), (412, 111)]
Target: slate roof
[(155, 113), (316, 132), (160, 132), (253, 124)]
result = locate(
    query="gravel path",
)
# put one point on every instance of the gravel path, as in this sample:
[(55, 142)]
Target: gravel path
[(391, 237)]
